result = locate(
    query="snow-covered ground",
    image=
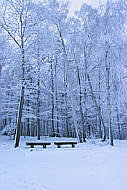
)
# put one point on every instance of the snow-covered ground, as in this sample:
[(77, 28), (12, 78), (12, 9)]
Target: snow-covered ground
[(90, 166)]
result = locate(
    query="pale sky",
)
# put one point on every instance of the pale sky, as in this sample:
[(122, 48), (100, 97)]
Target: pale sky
[(76, 4)]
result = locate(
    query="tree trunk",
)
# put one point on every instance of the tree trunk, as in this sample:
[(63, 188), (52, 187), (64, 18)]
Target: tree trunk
[(38, 94), (81, 110), (107, 65), (94, 100), (20, 117), (28, 119), (52, 87), (78, 135), (65, 78), (56, 101), (23, 87), (100, 129), (118, 123), (109, 115)]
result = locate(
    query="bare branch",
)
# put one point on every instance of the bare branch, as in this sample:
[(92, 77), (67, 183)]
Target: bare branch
[(13, 38)]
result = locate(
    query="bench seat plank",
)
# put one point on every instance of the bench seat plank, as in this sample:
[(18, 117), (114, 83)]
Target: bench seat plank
[(32, 144), (65, 143)]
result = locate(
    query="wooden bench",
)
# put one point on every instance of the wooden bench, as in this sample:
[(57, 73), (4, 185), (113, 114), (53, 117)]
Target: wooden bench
[(65, 143), (32, 144)]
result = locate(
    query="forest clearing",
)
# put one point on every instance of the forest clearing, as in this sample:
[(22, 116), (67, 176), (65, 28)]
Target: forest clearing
[(92, 165)]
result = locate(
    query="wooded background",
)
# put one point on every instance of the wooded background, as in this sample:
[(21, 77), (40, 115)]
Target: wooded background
[(63, 76)]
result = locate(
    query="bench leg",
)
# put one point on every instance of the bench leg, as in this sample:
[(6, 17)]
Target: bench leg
[(44, 146), (73, 146), (31, 146), (58, 146)]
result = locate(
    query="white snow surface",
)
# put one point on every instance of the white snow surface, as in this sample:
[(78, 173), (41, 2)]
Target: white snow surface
[(90, 166)]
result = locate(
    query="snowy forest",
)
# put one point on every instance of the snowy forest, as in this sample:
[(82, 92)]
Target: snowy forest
[(62, 75)]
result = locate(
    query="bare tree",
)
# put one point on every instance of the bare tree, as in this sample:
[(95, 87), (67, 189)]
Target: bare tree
[(15, 21)]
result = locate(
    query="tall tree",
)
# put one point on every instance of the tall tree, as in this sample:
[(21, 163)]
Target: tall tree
[(17, 22)]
